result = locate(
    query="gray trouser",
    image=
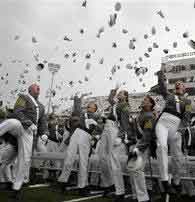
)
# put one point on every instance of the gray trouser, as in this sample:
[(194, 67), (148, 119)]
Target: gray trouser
[(138, 181), (166, 132), (111, 173), (25, 141), (79, 143), (111, 170), (117, 174)]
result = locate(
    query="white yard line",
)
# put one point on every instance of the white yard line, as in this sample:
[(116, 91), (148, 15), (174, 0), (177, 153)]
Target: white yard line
[(84, 198), (96, 192), (71, 188), (92, 197), (91, 192), (38, 186)]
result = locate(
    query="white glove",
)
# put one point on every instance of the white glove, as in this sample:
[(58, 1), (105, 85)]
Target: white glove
[(32, 128), (44, 138), (136, 150), (89, 122), (126, 139), (41, 145), (97, 137), (92, 143)]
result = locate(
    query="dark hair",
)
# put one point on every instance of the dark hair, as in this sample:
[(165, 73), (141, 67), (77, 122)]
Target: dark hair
[(152, 101), (51, 116), (67, 124), (127, 96), (111, 117), (96, 106)]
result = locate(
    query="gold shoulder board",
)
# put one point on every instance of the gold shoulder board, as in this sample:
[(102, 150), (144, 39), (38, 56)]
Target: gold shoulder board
[(20, 102), (148, 124)]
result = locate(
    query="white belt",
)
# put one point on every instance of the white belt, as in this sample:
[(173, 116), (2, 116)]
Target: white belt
[(170, 118), (78, 130)]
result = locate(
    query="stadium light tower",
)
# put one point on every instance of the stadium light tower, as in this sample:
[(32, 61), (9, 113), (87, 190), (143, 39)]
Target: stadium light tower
[(53, 68)]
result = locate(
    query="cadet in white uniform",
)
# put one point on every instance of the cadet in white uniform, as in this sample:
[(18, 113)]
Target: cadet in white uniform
[(175, 114), (28, 117), (145, 146), (82, 125), (111, 171), (125, 133)]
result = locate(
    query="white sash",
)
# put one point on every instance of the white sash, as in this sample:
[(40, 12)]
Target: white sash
[(57, 133), (177, 104), (36, 106), (115, 114), (86, 123), (89, 122)]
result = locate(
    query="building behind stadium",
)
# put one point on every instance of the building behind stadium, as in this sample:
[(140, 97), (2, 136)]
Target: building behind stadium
[(180, 67)]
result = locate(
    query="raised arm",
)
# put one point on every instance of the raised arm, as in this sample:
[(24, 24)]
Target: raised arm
[(162, 84), (77, 106), (42, 124), (112, 95)]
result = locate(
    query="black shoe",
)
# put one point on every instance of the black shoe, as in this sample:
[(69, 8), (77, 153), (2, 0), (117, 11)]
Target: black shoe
[(163, 197), (60, 186), (185, 197), (84, 192), (146, 201), (6, 186), (133, 200), (15, 196), (168, 189), (192, 198), (178, 188), (119, 198), (108, 190)]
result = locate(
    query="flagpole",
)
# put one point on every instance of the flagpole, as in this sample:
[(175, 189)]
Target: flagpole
[(53, 68), (50, 92)]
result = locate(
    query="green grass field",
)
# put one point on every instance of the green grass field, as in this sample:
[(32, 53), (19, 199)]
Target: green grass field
[(48, 195)]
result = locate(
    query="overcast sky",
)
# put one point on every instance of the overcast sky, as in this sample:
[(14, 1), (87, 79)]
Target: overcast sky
[(50, 20)]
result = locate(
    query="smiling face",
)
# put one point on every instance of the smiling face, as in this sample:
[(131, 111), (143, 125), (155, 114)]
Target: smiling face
[(179, 88), (148, 103)]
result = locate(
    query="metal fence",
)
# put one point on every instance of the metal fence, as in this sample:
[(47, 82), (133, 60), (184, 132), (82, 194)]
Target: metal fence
[(40, 161)]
